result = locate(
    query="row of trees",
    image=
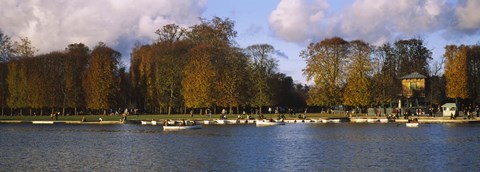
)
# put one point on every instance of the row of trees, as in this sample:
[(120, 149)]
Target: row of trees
[(202, 67), (358, 74), (197, 67)]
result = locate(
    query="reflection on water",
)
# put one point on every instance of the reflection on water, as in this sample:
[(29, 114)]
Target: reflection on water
[(293, 147)]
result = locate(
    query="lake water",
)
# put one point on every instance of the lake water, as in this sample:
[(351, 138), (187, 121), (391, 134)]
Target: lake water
[(293, 147)]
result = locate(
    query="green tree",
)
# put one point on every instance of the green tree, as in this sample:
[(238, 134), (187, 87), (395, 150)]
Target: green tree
[(474, 71), (17, 85), (385, 85), (74, 67), (263, 68), (412, 56), (6, 52)]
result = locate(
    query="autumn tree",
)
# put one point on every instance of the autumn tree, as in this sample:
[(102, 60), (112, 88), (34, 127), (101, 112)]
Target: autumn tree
[(101, 80), (456, 71), (325, 66), (140, 74), (213, 40), (357, 89), (199, 78)]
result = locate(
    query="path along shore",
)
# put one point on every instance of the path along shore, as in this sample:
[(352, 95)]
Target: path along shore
[(364, 119)]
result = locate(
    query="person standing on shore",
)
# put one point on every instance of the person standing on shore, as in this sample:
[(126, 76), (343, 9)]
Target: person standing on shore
[(477, 109)]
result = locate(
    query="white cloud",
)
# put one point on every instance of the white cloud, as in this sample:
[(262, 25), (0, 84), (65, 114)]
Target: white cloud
[(375, 21), (53, 24), (293, 20), (468, 17)]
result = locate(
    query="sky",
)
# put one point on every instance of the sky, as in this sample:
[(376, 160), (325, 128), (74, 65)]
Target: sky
[(288, 25)]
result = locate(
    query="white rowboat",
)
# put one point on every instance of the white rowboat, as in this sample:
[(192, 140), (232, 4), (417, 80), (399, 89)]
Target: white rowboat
[(265, 122), (412, 124), (183, 127)]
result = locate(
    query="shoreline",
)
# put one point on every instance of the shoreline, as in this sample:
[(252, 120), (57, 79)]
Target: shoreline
[(365, 119)]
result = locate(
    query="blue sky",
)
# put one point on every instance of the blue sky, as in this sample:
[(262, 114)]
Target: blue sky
[(288, 25)]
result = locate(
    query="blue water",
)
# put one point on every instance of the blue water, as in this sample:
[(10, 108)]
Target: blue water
[(293, 147)]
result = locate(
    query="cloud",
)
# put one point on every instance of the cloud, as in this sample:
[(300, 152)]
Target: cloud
[(468, 18), (280, 54), (52, 25), (375, 21), (293, 20)]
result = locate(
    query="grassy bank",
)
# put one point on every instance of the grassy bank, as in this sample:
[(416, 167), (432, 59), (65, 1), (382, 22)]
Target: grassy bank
[(154, 117)]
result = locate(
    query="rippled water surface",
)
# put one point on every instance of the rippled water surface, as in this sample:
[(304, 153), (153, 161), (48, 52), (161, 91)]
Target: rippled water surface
[(293, 147)]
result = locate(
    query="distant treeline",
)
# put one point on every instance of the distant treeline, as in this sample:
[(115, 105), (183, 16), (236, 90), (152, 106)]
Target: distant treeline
[(202, 67), (185, 68)]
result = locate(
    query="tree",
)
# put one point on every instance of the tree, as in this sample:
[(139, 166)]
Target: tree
[(170, 58), (101, 80), (24, 48), (6, 52), (17, 85), (385, 85), (263, 68), (412, 56), (6, 47), (326, 61), (474, 71), (74, 67), (232, 79), (456, 71), (357, 89), (199, 76)]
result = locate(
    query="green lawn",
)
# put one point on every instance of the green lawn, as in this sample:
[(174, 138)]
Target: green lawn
[(150, 117)]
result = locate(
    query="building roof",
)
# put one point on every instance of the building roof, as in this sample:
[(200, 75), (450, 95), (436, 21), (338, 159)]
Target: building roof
[(449, 105), (414, 75)]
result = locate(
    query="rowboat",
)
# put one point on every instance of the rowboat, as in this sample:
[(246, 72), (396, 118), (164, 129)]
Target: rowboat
[(149, 122), (42, 122), (266, 122), (220, 121), (412, 124), (331, 121), (182, 127)]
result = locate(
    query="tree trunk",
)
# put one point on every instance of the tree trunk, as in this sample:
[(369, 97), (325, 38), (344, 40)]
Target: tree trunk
[(11, 111), (169, 109), (41, 112), (75, 109)]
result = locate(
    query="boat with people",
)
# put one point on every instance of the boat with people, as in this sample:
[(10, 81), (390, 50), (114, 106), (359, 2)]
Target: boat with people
[(412, 123), (269, 122), (153, 122), (181, 125)]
